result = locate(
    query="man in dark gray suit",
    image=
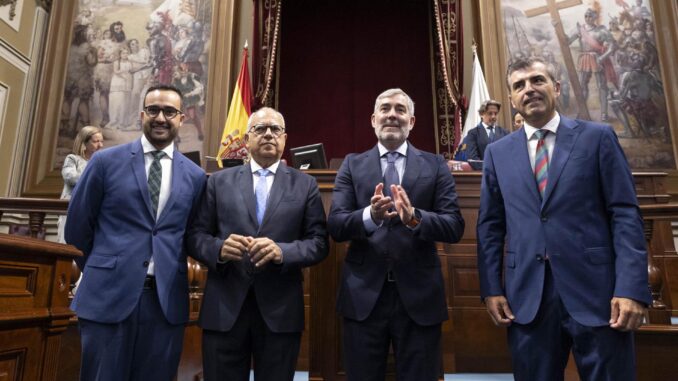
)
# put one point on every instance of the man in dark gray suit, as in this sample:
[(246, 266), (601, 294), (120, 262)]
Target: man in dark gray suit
[(257, 226), (486, 132)]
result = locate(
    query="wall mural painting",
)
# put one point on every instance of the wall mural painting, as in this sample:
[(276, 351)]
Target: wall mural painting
[(121, 47), (605, 57)]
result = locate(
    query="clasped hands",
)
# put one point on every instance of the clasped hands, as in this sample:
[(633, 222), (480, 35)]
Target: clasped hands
[(384, 208), (626, 314), (260, 250)]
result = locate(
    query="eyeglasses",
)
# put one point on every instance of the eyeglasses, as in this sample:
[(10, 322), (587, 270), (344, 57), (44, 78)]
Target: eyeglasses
[(261, 129), (169, 112)]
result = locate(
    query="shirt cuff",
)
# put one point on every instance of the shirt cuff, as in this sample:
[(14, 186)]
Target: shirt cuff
[(370, 226)]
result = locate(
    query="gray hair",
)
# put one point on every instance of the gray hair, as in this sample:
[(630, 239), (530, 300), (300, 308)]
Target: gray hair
[(488, 103), (265, 109), (391, 92)]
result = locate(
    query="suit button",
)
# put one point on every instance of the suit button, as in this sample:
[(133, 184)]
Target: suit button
[(145, 263), (544, 218), (539, 257), (155, 232)]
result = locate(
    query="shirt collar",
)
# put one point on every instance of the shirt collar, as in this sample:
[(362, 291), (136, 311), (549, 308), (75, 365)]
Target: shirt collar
[(148, 147), (486, 125), (551, 126), (255, 166), (401, 150)]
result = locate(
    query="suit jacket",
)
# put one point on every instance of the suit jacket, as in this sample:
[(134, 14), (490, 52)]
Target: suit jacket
[(294, 219), (410, 253), (477, 140), (588, 224), (111, 220)]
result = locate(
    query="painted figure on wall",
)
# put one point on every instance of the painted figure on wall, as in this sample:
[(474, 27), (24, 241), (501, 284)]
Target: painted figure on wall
[(615, 47), (120, 50)]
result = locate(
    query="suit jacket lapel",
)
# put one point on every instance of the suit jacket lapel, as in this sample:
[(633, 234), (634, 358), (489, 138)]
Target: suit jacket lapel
[(412, 168), (483, 139), (247, 191), (139, 170), (565, 138), (177, 180), (281, 185), (522, 162)]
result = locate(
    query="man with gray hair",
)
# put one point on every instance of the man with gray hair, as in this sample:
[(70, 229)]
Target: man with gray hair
[(393, 203), (257, 226), (486, 132)]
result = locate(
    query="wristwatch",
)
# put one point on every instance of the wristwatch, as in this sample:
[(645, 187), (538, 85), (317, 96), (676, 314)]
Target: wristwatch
[(414, 221)]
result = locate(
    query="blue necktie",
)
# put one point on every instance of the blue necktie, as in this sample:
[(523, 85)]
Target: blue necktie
[(261, 193), (391, 174), (491, 135)]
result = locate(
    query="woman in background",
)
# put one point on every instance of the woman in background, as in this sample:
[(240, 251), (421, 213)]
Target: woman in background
[(87, 142)]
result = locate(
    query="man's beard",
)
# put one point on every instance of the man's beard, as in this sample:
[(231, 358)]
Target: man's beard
[(118, 37)]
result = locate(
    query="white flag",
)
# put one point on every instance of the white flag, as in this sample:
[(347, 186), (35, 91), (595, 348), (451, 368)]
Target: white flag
[(479, 94)]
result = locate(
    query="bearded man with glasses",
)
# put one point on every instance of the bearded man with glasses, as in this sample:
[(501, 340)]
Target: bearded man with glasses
[(258, 225), (128, 214)]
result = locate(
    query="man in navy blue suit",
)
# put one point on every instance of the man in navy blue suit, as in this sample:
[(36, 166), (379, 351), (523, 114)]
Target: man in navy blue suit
[(258, 225), (393, 203), (559, 215), (127, 215), (486, 132)]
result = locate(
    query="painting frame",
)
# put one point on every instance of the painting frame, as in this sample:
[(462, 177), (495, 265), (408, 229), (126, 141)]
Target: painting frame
[(41, 177), (494, 59)]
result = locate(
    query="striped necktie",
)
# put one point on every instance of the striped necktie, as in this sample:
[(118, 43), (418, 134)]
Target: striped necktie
[(541, 162), (155, 179)]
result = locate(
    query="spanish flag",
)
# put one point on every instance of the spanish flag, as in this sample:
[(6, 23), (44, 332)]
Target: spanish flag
[(232, 144)]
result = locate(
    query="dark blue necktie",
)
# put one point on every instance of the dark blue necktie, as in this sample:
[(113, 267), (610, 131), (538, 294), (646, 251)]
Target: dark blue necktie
[(391, 174), (491, 134)]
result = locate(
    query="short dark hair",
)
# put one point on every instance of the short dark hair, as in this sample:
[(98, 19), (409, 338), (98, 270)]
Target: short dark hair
[(488, 103), (163, 88), (524, 63)]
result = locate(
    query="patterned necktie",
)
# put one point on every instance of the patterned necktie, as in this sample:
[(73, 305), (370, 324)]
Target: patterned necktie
[(391, 174), (155, 179), (490, 137), (261, 193), (541, 162)]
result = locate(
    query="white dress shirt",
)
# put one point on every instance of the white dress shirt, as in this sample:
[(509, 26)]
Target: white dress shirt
[(165, 184), (269, 179)]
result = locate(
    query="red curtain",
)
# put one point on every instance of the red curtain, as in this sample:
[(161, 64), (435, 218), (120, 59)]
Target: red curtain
[(337, 56)]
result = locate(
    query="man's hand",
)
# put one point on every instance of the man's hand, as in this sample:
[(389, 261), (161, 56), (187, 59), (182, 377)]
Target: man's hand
[(380, 205), (627, 314), (234, 247), (403, 206), (499, 310), (262, 250)]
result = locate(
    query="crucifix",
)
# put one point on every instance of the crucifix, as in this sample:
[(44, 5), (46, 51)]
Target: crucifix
[(552, 7)]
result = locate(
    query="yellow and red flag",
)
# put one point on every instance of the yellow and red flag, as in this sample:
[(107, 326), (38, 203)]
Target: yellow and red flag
[(232, 144)]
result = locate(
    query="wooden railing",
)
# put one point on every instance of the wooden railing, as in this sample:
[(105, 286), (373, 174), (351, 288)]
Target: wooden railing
[(323, 324)]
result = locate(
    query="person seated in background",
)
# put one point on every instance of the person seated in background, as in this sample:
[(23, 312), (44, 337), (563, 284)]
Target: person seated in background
[(486, 132), (88, 141), (518, 121)]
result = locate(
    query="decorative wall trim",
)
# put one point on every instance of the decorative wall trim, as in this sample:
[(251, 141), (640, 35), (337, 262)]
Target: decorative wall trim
[(4, 96), (27, 112), (14, 57)]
